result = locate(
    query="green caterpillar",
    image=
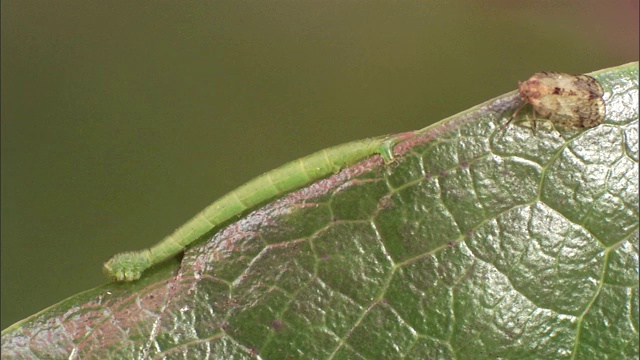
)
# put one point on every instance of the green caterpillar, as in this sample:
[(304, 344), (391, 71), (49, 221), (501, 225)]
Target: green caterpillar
[(129, 266)]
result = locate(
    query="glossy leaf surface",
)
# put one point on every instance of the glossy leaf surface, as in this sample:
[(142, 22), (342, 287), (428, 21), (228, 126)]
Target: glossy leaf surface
[(477, 242)]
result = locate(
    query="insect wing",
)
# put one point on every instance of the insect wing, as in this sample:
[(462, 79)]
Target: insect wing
[(567, 100), (579, 103), (589, 84)]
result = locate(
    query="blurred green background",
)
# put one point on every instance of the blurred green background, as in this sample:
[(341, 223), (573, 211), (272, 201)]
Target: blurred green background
[(121, 120)]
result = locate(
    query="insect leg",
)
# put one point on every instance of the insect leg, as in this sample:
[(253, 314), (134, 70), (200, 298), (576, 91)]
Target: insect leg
[(513, 116), (535, 124)]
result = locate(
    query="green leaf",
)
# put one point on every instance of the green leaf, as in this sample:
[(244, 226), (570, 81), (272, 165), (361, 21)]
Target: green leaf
[(476, 243)]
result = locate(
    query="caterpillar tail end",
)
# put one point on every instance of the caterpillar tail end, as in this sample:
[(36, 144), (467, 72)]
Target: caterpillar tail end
[(386, 148), (127, 266)]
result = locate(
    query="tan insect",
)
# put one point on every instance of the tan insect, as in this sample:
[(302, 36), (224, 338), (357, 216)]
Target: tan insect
[(566, 100)]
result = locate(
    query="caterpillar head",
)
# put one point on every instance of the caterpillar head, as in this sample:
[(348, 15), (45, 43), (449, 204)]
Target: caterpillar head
[(127, 266)]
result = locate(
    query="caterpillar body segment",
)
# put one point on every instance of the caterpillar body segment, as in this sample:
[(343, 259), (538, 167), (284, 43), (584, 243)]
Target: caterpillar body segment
[(129, 266)]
